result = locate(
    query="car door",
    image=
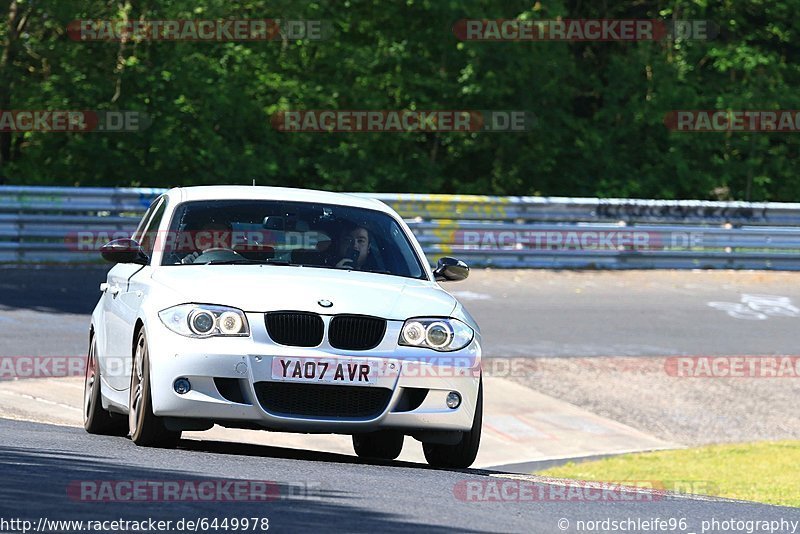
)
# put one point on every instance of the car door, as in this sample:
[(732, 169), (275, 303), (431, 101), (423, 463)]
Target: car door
[(121, 304)]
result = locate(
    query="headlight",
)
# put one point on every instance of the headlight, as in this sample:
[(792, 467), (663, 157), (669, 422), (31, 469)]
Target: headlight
[(443, 335), (203, 320)]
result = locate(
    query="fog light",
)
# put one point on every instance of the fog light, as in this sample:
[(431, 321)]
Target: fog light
[(183, 386), (453, 400)]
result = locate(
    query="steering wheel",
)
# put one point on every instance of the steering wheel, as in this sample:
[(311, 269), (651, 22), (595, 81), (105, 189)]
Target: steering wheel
[(217, 254)]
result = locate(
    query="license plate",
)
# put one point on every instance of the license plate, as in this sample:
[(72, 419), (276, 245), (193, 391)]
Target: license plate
[(326, 370)]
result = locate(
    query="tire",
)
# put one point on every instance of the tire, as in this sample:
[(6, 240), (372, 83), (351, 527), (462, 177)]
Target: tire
[(462, 454), (97, 420), (380, 445), (146, 429)]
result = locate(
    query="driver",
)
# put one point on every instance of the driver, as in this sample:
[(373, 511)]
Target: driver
[(354, 249), (212, 234)]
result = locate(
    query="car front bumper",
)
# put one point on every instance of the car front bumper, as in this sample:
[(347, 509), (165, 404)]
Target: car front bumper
[(415, 380)]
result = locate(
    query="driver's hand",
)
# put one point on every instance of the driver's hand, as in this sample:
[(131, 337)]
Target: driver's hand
[(343, 264), (190, 258)]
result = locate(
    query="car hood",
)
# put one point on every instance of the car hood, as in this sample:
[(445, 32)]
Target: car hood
[(262, 288)]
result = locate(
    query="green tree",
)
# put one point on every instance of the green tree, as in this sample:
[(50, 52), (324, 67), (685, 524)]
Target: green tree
[(600, 106)]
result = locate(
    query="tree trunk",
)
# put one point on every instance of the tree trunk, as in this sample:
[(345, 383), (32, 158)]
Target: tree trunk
[(7, 80)]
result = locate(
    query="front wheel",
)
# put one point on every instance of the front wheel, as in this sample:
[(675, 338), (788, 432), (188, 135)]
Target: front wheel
[(380, 445), (96, 419), (146, 429), (462, 454)]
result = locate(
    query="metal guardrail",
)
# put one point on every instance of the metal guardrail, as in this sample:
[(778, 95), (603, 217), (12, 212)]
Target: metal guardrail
[(561, 209), (536, 232)]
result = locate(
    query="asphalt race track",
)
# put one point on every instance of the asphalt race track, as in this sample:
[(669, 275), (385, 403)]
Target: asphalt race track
[(522, 313), (40, 463)]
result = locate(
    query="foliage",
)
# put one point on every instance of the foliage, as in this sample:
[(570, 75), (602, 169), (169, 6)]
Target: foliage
[(600, 106)]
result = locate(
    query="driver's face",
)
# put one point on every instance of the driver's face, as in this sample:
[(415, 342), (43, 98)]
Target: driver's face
[(358, 240)]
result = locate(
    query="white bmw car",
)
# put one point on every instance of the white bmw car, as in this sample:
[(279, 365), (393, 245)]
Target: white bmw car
[(288, 310)]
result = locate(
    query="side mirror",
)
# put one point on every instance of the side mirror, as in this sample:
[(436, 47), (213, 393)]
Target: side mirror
[(124, 251), (450, 270)]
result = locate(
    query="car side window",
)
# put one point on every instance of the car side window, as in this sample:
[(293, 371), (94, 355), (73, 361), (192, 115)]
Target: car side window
[(149, 236), (137, 235)]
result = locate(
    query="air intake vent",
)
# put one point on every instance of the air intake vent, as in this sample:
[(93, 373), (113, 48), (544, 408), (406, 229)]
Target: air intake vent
[(356, 332), (317, 400), (231, 389), (297, 329)]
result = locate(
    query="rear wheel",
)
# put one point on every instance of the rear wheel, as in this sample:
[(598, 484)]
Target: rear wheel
[(462, 454), (146, 429), (96, 419), (380, 445)]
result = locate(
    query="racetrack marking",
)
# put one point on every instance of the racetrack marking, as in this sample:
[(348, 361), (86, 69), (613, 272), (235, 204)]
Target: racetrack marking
[(758, 307), (28, 419), (470, 295), (39, 399)]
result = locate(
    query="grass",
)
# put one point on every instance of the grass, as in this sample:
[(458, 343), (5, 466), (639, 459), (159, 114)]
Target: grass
[(765, 472)]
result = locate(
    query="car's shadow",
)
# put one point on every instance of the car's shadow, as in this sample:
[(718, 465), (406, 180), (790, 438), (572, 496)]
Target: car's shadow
[(45, 483), (269, 451)]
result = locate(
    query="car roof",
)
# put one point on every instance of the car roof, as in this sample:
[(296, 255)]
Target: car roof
[(244, 192)]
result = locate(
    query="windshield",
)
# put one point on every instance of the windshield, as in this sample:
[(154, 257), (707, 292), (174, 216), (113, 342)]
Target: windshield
[(289, 233)]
